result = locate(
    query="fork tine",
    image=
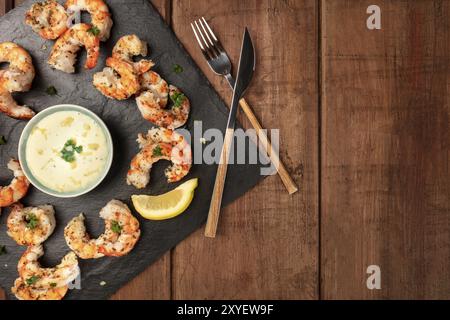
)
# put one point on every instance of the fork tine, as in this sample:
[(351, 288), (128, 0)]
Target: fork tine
[(210, 30), (208, 48), (201, 34), (216, 40), (204, 51), (213, 44), (196, 36), (206, 32)]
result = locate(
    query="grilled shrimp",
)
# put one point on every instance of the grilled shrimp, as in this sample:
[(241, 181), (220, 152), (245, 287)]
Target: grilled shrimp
[(130, 46), (79, 240), (17, 78), (10, 107), (20, 74), (100, 16), (44, 278), (152, 103), (118, 80), (24, 292), (31, 226), (121, 233), (64, 52), (48, 18), (18, 187), (121, 230), (160, 144), (153, 83)]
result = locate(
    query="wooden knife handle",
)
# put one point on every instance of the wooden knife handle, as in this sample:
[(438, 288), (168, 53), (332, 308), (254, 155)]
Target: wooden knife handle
[(216, 201), (282, 172)]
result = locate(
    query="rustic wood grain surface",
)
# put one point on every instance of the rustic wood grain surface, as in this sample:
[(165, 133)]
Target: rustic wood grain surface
[(385, 149), (364, 120)]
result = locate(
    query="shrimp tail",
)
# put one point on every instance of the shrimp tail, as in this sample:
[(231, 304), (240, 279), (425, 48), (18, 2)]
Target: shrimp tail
[(10, 107)]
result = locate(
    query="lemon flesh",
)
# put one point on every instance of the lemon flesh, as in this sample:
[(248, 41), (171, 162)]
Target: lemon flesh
[(168, 205)]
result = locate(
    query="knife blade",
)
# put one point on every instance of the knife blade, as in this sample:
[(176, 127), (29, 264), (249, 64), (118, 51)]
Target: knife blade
[(245, 72), (247, 64)]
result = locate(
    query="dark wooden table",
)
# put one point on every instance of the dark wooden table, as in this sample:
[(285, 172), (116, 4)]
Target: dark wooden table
[(364, 118)]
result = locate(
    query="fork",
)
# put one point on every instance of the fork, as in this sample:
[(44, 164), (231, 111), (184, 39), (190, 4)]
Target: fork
[(220, 64)]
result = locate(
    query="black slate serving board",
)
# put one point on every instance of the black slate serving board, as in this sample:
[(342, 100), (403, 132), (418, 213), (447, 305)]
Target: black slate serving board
[(124, 122)]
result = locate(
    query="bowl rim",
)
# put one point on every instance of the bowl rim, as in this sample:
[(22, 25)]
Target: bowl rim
[(34, 121)]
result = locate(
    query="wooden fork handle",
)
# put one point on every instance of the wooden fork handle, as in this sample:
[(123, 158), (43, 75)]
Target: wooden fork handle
[(268, 148), (216, 200)]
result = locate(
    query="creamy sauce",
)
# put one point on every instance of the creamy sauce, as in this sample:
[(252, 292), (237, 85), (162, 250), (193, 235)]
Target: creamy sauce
[(79, 169)]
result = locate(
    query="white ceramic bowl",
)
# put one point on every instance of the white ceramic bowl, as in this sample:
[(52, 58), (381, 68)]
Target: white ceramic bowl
[(23, 144)]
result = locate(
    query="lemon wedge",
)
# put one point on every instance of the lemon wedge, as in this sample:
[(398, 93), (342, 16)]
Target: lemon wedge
[(168, 205)]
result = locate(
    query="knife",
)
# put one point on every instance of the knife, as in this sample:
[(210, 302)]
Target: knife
[(243, 79)]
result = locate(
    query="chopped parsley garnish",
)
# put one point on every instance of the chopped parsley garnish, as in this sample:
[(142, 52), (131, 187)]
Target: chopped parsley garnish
[(116, 227), (94, 31), (51, 91), (68, 152), (2, 140), (32, 221), (3, 250), (32, 280), (177, 68), (177, 99), (157, 151)]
